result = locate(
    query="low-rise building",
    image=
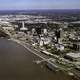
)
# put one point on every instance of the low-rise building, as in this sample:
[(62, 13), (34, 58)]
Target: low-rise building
[(73, 56)]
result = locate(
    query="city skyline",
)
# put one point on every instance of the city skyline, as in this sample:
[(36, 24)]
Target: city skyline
[(39, 4)]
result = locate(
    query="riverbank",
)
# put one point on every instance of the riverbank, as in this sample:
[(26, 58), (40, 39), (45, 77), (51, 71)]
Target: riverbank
[(36, 52), (16, 62)]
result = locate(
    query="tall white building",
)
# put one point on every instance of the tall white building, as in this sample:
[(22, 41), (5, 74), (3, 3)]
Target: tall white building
[(23, 28)]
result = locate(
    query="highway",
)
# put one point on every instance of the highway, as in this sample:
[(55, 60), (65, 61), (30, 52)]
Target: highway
[(16, 63), (37, 53), (46, 58), (32, 50)]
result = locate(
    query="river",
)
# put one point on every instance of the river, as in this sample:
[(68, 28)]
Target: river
[(16, 63)]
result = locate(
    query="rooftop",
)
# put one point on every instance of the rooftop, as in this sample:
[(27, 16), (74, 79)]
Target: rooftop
[(74, 55)]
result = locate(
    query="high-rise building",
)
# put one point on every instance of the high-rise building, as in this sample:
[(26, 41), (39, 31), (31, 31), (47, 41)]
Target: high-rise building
[(23, 28)]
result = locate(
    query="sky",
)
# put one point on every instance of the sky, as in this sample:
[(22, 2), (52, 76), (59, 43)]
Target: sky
[(39, 4)]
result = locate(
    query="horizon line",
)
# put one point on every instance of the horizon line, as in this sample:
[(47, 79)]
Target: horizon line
[(40, 9)]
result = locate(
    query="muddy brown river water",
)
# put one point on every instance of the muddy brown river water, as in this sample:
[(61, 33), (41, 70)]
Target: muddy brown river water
[(16, 63)]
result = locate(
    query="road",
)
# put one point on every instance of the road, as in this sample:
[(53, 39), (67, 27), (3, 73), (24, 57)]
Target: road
[(16, 63), (38, 53), (32, 50)]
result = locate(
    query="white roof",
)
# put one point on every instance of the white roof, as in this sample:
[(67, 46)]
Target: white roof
[(74, 55), (23, 28), (76, 22)]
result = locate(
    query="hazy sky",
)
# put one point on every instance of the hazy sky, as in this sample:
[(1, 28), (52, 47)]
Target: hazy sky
[(39, 4)]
